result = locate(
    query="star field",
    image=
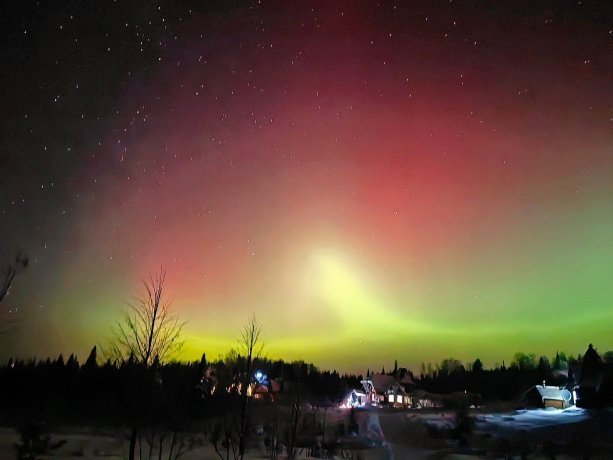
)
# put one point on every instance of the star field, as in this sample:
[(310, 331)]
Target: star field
[(375, 181)]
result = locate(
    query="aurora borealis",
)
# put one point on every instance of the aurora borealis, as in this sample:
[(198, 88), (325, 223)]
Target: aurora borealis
[(375, 181)]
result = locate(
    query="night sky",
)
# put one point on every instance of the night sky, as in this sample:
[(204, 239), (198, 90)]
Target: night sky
[(375, 181)]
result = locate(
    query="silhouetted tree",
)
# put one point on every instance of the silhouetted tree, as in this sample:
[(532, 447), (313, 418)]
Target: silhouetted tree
[(607, 356), (148, 330), (9, 274), (592, 368), (523, 361), (543, 367), (450, 366), (250, 348), (477, 366), (556, 362), (91, 362), (148, 334), (6, 278), (72, 363)]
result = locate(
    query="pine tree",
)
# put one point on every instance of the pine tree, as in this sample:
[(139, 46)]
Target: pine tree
[(556, 362), (91, 362), (72, 362)]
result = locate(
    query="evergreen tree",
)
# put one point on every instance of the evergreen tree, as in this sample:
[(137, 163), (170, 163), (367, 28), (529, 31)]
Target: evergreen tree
[(543, 368), (92, 362), (72, 362), (557, 363)]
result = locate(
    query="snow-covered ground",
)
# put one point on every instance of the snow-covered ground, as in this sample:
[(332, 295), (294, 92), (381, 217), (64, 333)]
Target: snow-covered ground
[(531, 419), (383, 434)]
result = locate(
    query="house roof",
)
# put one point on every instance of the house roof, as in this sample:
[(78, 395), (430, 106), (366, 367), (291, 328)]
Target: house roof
[(407, 380), (384, 383), (553, 393)]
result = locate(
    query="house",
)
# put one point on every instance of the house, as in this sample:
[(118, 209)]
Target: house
[(549, 396), (421, 399), (257, 390), (385, 389), (355, 399)]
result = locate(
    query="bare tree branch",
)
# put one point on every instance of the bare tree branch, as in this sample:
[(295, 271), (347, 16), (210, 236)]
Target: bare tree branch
[(6, 280), (250, 347), (9, 274), (149, 330)]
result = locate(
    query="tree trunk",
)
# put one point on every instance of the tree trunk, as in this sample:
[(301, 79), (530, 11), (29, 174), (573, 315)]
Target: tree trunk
[(290, 450), (161, 446), (172, 444), (132, 443)]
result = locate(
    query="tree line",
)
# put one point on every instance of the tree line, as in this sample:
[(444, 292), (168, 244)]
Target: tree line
[(136, 385)]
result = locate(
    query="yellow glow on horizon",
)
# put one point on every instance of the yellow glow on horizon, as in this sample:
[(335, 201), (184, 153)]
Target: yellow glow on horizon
[(359, 305)]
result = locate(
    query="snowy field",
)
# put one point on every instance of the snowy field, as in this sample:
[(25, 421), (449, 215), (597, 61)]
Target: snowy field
[(571, 433), (378, 434), (530, 420)]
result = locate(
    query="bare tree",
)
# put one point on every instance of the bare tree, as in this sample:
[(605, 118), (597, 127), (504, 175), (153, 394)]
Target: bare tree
[(9, 274), (148, 331), (6, 280), (250, 347)]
